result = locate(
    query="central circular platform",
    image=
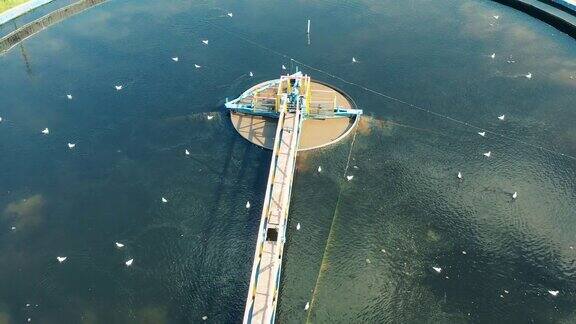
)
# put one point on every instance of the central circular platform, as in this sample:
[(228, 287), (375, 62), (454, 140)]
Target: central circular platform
[(316, 133)]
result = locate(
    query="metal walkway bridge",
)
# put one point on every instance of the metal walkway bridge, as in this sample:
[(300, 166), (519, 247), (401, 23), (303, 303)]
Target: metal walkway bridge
[(265, 278), (289, 100)]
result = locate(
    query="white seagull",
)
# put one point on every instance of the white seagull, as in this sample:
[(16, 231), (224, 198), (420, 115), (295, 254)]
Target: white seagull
[(354, 60), (0, 119), (437, 269), (69, 96), (502, 117), (46, 131), (553, 292), (248, 204), (350, 177), (529, 75), (482, 134), (298, 226), (197, 66), (251, 74), (319, 168), (459, 175), (209, 117), (187, 152), (118, 87), (61, 259), (230, 14), (175, 59), (283, 67), (164, 200), (514, 195), (307, 306), (496, 17), (119, 245), (205, 41), (71, 145), (206, 317), (488, 154), (129, 262), (493, 56)]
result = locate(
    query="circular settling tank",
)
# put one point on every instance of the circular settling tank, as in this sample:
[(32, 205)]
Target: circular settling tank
[(316, 132)]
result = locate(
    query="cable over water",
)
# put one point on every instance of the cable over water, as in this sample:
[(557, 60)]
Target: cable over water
[(329, 238), (383, 95)]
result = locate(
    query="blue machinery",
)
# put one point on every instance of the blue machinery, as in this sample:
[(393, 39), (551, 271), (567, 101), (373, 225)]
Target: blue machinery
[(266, 99)]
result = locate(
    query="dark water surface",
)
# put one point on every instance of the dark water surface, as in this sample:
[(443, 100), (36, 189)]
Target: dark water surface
[(192, 255)]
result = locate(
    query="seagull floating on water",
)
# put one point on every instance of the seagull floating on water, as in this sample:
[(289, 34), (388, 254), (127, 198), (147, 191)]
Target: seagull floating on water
[(514, 195), (354, 60), (119, 245), (205, 41), (13, 228), (69, 96), (209, 117), (164, 200), (251, 74), (61, 258), (437, 269), (459, 175), (175, 59), (118, 87), (488, 154), (0, 119), (298, 226), (496, 17), (350, 177), (493, 55), (553, 292), (307, 306), (463, 252), (248, 204), (283, 67), (319, 168), (46, 131), (71, 145), (502, 117), (529, 75), (197, 66), (206, 317), (230, 14), (482, 134), (187, 152), (129, 262)]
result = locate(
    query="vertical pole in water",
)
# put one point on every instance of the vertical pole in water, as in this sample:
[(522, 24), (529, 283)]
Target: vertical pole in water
[(308, 32)]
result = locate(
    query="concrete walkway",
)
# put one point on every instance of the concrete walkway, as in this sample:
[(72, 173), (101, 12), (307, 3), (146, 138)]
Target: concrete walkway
[(570, 4), (19, 10)]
